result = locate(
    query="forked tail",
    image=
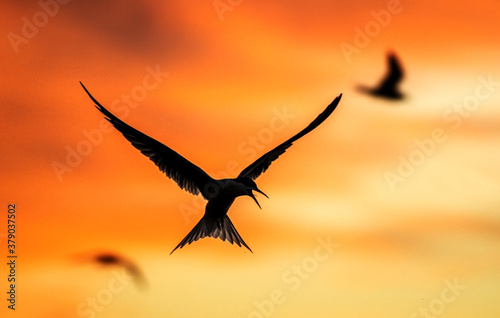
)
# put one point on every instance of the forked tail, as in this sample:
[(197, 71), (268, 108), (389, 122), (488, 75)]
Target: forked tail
[(221, 227)]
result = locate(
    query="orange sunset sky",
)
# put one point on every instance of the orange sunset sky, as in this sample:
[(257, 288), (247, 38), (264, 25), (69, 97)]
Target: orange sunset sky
[(388, 209)]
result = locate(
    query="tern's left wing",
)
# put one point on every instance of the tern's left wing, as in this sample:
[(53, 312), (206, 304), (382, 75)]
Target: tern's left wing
[(260, 165)]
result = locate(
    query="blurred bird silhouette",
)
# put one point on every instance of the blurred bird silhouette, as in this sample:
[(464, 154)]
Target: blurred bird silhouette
[(109, 259), (219, 193), (113, 259), (388, 87)]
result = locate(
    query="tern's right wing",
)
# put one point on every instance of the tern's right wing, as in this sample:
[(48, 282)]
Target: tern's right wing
[(187, 175)]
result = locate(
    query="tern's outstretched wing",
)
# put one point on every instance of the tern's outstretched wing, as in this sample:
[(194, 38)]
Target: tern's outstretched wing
[(187, 175), (394, 75), (260, 165)]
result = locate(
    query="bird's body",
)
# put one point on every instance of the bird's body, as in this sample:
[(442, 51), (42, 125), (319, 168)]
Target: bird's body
[(220, 194), (111, 259), (389, 86)]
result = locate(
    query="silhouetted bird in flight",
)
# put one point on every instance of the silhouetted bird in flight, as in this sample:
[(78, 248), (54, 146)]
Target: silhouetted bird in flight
[(219, 193), (113, 259), (388, 87), (117, 260)]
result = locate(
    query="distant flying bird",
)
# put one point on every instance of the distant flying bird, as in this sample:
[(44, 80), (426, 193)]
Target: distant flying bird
[(219, 193), (388, 87), (113, 259)]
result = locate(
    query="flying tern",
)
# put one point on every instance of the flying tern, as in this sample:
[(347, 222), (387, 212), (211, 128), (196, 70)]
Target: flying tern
[(111, 259), (388, 87), (220, 193)]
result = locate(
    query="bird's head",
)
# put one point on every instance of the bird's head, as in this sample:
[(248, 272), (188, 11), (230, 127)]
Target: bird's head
[(107, 259), (250, 186)]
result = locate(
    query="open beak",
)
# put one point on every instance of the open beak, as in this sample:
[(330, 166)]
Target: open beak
[(254, 198), (261, 192)]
